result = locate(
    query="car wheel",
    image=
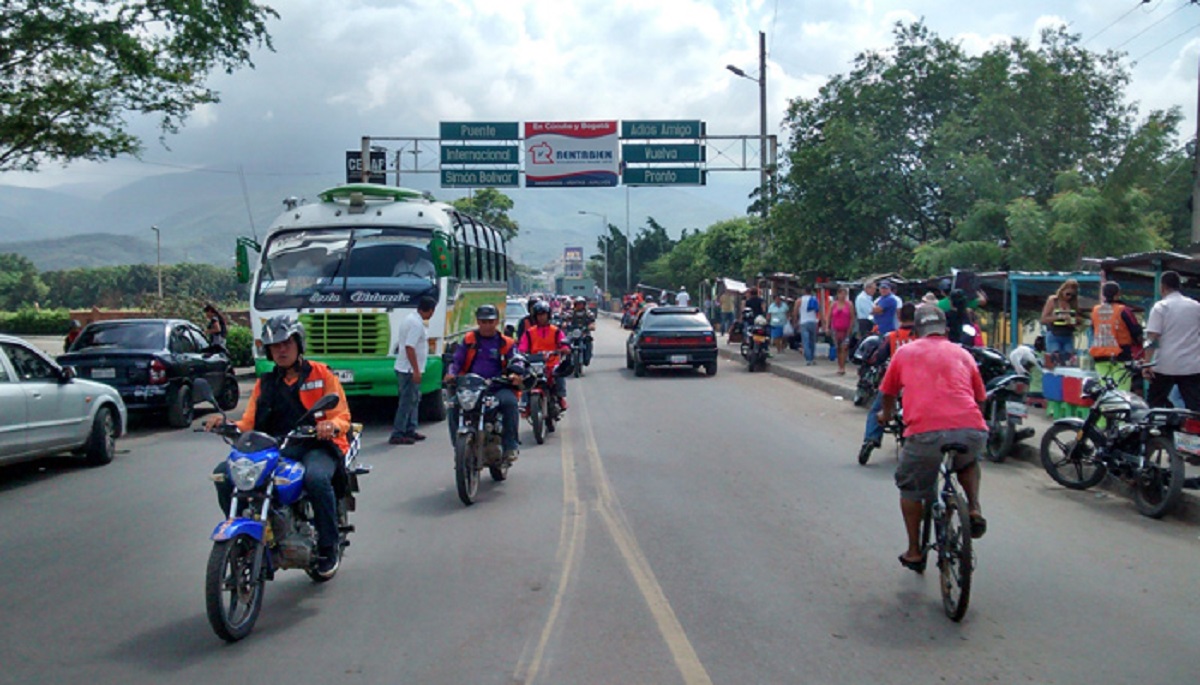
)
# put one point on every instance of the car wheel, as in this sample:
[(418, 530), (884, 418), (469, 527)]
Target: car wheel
[(710, 369), (102, 441), (639, 369), (230, 394), (180, 408)]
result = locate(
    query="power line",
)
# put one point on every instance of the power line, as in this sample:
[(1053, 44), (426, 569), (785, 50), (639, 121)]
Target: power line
[(1165, 44), (1134, 36), (1114, 22)]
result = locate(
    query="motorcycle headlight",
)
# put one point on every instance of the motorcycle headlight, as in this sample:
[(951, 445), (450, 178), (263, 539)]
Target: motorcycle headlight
[(246, 473), (576, 334), (537, 368), (467, 399)]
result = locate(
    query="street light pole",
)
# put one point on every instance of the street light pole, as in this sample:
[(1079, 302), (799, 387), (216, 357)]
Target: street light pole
[(158, 258), (604, 218), (763, 193)]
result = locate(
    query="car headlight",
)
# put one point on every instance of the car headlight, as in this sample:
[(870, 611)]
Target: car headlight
[(467, 399), (246, 473)]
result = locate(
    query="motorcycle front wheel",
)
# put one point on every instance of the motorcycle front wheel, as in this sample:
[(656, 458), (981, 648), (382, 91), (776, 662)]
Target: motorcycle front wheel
[(466, 476), (1158, 485), (233, 596), (536, 417), (1071, 461)]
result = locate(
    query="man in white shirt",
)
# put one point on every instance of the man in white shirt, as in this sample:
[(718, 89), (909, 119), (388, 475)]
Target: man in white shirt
[(412, 342), (413, 264), (863, 304), (682, 298), (1173, 337)]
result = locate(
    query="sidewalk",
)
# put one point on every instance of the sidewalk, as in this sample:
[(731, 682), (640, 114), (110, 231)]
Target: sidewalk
[(823, 376)]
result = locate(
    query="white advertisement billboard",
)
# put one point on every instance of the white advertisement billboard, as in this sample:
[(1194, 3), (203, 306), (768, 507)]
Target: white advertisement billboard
[(571, 154)]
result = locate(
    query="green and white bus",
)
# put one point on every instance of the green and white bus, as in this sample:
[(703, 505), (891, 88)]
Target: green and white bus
[(352, 266)]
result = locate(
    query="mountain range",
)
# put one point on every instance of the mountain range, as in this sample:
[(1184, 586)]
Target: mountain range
[(201, 213)]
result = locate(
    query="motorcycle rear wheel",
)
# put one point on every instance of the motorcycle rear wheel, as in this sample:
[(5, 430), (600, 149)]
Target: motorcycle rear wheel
[(1000, 439), (466, 476), (1158, 487), (232, 596), (536, 409), (1072, 466)]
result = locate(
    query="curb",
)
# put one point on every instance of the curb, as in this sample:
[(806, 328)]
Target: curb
[(821, 384)]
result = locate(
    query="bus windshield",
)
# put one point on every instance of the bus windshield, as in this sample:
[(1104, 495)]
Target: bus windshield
[(364, 267)]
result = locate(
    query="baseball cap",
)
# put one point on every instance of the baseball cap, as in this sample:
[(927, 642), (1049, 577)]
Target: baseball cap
[(930, 320), (885, 284)]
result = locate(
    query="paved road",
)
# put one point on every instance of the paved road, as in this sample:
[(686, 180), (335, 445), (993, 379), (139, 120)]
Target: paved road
[(678, 529)]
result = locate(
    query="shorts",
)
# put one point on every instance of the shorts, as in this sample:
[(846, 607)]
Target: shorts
[(916, 475), (776, 332)]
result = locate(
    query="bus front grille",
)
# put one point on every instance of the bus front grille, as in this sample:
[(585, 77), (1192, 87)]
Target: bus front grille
[(346, 334)]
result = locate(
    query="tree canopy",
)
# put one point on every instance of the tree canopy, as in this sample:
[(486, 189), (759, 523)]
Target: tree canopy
[(492, 206), (71, 71)]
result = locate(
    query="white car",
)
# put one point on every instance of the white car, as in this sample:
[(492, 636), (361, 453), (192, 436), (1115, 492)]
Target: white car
[(45, 410), (514, 311)]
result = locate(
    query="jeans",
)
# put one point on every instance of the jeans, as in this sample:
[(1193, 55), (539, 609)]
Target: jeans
[(808, 337), (726, 321), (874, 431), (508, 412), (587, 351), (405, 422), (320, 465), (1160, 390), (1063, 344)]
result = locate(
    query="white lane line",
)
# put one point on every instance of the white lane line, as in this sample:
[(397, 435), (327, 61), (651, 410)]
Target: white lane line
[(686, 660)]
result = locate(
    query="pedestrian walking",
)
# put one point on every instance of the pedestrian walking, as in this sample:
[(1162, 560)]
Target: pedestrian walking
[(807, 311), (1173, 335), (682, 298), (777, 316), (728, 301), (839, 321), (411, 354)]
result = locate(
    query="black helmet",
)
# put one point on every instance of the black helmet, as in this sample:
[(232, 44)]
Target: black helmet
[(278, 329), (868, 350), (75, 325), (533, 299), (540, 307), (518, 364), (958, 298), (487, 312)]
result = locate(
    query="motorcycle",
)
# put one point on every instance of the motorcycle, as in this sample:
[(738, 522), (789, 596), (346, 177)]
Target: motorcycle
[(579, 337), (271, 522), (478, 438), (869, 356), (1004, 409), (894, 427), (1124, 437), (539, 402), (756, 341)]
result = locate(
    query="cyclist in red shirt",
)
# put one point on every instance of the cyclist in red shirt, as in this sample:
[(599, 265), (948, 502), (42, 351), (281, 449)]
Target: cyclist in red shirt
[(943, 395)]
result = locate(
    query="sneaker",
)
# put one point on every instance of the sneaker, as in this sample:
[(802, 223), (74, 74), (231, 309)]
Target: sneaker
[(416, 436), (400, 440), (510, 456), (327, 562)]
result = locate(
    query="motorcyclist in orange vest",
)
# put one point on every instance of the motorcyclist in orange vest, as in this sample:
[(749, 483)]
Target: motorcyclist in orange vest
[(1115, 333), (546, 337)]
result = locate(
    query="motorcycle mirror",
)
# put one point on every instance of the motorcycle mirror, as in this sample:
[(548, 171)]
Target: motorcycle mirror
[(202, 391), (324, 404)]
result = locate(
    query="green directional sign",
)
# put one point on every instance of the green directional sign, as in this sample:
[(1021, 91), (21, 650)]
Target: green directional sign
[(661, 129), (662, 176), (479, 130), (479, 178), (666, 152), (479, 154)]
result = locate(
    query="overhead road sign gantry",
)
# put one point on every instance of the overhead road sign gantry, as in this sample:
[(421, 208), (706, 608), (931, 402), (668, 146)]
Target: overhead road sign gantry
[(664, 176), (480, 178), (660, 129), (480, 154), (662, 153)]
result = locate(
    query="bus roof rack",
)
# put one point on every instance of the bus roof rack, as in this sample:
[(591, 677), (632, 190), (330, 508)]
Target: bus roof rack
[(372, 191)]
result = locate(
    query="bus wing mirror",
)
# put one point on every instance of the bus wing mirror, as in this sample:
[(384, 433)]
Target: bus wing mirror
[(243, 258), (439, 250)]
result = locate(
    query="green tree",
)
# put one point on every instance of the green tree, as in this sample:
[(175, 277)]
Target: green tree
[(72, 70), (20, 284), (492, 206)]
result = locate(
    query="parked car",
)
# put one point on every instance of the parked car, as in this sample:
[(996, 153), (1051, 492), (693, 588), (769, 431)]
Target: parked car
[(514, 311), (671, 336), (45, 410), (152, 363)]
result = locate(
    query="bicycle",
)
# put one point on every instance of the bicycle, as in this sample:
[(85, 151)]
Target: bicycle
[(948, 520)]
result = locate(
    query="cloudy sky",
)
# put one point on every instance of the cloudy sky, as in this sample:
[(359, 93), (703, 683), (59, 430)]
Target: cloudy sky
[(398, 67)]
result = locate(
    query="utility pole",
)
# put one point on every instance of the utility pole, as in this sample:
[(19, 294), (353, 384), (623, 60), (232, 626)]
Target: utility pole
[(1196, 174), (763, 194), (158, 258)]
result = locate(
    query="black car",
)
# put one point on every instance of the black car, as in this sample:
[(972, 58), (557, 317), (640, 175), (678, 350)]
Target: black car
[(671, 336), (152, 363)]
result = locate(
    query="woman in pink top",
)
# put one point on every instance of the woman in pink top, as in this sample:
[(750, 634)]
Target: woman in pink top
[(839, 319)]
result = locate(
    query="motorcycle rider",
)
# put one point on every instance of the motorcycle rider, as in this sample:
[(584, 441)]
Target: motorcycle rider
[(873, 433), (580, 317), (280, 397), (528, 320), (546, 337), (935, 414), (486, 352)]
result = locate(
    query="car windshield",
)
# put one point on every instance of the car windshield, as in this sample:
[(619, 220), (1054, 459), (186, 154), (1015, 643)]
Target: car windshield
[(682, 321), (143, 335), (344, 266), (515, 309)]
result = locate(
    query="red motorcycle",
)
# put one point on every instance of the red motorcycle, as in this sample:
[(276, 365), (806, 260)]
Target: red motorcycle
[(539, 401)]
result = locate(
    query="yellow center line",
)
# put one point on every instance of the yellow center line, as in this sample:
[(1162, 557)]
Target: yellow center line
[(570, 546), (686, 660)]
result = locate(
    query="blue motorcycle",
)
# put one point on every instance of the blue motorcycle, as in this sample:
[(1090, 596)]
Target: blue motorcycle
[(270, 525)]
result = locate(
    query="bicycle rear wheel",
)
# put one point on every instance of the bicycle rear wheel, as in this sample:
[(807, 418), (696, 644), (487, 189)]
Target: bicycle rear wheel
[(955, 559)]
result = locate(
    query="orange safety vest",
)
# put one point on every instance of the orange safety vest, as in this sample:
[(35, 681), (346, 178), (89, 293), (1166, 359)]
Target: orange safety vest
[(900, 337), (1110, 333), (470, 341)]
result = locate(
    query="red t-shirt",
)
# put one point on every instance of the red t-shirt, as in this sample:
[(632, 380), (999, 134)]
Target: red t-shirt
[(942, 386)]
